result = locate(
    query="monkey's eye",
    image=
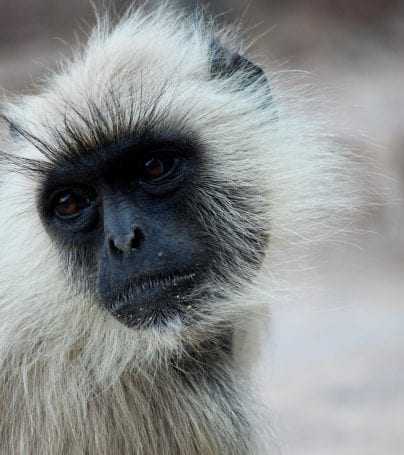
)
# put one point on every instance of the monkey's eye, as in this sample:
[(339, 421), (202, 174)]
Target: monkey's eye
[(69, 203), (155, 167)]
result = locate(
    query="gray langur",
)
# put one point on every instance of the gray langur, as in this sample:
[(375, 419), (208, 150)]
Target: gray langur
[(146, 190)]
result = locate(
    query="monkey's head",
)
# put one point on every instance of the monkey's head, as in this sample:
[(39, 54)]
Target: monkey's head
[(142, 188)]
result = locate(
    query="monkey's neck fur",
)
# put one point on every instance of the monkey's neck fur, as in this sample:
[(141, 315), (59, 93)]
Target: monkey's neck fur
[(192, 405)]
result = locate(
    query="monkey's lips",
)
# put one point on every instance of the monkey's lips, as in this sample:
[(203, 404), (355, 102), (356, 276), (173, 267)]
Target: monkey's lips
[(153, 300)]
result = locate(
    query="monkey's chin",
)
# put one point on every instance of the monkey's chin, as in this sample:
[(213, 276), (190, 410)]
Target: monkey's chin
[(158, 303), (138, 315)]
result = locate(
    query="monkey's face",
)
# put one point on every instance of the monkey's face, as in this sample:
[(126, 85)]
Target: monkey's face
[(123, 213)]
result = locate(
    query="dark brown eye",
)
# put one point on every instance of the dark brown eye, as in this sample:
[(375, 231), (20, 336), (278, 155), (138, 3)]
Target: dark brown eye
[(156, 167), (69, 203)]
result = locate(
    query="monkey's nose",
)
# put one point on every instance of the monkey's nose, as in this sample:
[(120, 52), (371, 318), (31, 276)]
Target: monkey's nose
[(124, 244)]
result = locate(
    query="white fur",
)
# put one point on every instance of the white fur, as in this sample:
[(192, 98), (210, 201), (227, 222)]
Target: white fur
[(72, 379)]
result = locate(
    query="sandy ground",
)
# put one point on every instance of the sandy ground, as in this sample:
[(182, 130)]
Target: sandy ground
[(333, 367)]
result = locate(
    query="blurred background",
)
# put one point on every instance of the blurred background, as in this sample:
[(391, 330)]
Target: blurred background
[(333, 367)]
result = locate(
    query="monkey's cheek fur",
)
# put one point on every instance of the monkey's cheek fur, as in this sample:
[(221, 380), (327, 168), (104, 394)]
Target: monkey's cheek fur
[(154, 302)]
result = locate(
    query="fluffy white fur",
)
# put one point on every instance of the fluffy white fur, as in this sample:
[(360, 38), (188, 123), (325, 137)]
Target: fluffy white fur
[(72, 379)]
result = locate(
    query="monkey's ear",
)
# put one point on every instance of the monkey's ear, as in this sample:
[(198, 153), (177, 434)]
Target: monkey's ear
[(225, 63)]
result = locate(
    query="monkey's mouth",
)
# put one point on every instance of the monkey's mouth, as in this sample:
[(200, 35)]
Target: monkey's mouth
[(153, 299)]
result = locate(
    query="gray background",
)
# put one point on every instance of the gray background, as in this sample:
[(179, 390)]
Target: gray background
[(332, 368)]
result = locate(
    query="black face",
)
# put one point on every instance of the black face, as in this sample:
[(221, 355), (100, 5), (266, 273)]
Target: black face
[(121, 214)]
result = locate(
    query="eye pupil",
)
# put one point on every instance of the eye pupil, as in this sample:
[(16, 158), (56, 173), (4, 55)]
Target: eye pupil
[(69, 204), (66, 205), (154, 168)]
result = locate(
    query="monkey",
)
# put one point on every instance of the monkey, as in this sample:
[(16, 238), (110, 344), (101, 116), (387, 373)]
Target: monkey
[(147, 189)]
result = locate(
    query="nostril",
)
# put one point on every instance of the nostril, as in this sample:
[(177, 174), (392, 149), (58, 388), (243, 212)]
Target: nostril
[(113, 248), (136, 239)]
